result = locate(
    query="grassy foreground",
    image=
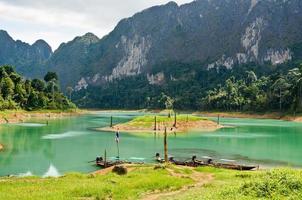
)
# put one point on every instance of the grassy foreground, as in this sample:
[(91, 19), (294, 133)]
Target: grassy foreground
[(143, 180), (80, 186), (230, 185)]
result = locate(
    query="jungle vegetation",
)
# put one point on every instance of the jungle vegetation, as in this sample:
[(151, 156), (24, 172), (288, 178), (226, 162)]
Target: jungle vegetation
[(190, 87), (19, 93)]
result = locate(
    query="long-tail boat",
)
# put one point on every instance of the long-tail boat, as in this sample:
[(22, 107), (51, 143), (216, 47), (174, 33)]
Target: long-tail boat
[(209, 162), (99, 161)]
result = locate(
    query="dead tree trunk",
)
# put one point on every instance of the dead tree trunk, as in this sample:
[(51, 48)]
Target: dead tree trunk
[(165, 145)]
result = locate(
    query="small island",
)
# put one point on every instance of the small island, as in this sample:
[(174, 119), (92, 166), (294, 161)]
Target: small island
[(172, 124)]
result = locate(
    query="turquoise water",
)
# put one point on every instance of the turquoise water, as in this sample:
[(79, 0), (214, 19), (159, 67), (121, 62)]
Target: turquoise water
[(66, 145)]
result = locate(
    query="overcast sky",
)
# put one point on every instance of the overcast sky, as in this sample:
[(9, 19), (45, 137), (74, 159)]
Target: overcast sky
[(58, 21)]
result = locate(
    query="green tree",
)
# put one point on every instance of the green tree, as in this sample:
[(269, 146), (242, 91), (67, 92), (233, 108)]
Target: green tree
[(69, 91), (51, 76), (38, 85), (7, 88)]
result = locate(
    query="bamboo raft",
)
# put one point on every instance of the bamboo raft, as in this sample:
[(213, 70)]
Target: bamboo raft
[(209, 162)]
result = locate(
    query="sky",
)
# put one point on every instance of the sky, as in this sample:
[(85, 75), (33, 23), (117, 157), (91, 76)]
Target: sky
[(58, 21)]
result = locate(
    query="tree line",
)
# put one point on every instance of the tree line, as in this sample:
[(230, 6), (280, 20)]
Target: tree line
[(19, 93), (277, 92), (191, 87)]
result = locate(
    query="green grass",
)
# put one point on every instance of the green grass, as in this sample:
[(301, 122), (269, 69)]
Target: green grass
[(78, 186), (148, 120), (230, 185), (226, 185)]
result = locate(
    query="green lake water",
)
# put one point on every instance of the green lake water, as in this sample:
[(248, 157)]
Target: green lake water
[(66, 145)]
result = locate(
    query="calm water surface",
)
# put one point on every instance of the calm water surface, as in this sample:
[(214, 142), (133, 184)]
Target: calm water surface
[(67, 145)]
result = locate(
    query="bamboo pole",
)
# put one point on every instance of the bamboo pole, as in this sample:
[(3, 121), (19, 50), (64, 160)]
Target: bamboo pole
[(111, 123), (175, 121), (118, 151), (155, 123), (105, 159), (165, 145)]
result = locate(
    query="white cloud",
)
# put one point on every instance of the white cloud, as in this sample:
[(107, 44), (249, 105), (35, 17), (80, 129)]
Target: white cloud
[(58, 21)]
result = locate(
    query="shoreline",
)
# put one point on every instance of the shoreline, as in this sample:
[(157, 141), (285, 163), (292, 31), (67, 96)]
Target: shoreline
[(272, 115), (18, 116), (269, 115)]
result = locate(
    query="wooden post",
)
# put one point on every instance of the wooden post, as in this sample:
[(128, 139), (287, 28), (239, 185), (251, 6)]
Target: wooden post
[(105, 159), (165, 145), (218, 120), (174, 125), (187, 118), (280, 101), (118, 151), (155, 123), (111, 123)]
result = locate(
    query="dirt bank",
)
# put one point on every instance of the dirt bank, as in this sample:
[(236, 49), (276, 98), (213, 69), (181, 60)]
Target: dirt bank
[(1, 147), (21, 116)]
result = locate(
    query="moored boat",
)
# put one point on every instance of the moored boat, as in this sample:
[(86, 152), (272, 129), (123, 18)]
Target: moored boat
[(209, 162), (99, 161)]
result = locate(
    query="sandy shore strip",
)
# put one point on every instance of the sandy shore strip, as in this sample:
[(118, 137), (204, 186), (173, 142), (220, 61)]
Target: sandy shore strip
[(1, 147), (22, 116)]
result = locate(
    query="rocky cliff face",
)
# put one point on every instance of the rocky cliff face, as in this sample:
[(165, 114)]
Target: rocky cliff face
[(28, 59), (217, 33)]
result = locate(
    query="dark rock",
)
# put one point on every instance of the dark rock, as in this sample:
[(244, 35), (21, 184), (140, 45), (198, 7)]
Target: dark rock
[(120, 170)]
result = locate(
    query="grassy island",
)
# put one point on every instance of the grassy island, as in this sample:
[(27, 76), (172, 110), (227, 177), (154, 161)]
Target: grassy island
[(149, 123)]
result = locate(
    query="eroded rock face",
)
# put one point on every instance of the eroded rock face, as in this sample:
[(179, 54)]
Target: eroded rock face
[(224, 61), (252, 37), (278, 56), (82, 84), (135, 56), (156, 79)]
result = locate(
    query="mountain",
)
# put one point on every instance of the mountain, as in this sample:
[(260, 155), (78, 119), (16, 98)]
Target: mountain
[(70, 59), (165, 48), (28, 59), (213, 33)]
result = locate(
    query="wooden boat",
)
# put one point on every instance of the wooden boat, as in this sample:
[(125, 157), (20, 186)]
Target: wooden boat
[(101, 163), (209, 162), (234, 166), (107, 164), (176, 162)]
